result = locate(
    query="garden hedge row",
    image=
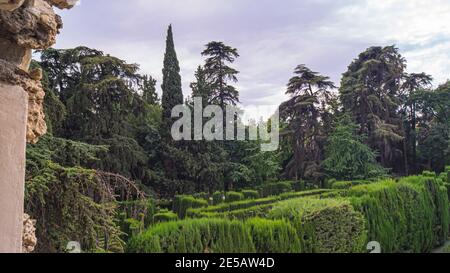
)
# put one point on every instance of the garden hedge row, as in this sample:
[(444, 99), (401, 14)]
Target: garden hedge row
[(411, 215), (194, 236), (324, 225), (182, 203), (217, 210), (297, 226)]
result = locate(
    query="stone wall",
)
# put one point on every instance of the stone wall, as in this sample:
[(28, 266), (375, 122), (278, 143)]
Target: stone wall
[(24, 25)]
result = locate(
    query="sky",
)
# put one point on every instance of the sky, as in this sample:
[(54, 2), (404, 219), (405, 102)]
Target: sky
[(272, 36)]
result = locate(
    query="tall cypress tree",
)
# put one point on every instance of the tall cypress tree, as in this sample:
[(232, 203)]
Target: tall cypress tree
[(171, 86)]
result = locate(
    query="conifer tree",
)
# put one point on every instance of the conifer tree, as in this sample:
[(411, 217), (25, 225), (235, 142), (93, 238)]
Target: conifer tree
[(171, 86), (219, 73)]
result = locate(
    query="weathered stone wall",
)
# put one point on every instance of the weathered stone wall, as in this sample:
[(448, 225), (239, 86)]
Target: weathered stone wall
[(13, 120), (24, 25)]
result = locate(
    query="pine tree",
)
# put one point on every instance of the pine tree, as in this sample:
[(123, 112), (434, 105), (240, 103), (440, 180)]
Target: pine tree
[(149, 94), (219, 73), (171, 86), (303, 112)]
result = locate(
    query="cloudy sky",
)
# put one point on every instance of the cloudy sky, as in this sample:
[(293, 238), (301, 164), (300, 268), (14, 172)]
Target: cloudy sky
[(272, 36)]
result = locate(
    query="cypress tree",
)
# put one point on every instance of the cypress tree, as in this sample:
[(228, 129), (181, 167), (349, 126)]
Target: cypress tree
[(171, 86)]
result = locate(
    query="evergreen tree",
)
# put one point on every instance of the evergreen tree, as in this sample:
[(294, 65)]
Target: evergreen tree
[(370, 92), (309, 93), (148, 89), (171, 86), (219, 73), (347, 157)]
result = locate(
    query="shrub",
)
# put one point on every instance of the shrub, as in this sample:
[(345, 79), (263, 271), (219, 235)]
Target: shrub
[(409, 216), (324, 226), (447, 170), (131, 227), (165, 216), (344, 185), (298, 185), (232, 196), (250, 205), (218, 198), (182, 203), (276, 188), (429, 174), (273, 236), (250, 194), (201, 195), (194, 236)]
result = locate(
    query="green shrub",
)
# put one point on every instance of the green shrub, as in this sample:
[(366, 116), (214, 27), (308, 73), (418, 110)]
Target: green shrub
[(324, 226), (273, 236), (182, 203), (131, 227), (344, 185), (194, 236), (201, 195), (250, 194), (218, 198), (165, 216), (278, 188), (232, 196), (250, 205), (447, 170), (298, 185), (429, 174), (142, 210), (409, 216)]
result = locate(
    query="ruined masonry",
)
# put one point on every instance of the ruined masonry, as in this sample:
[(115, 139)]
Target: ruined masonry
[(25, 25)]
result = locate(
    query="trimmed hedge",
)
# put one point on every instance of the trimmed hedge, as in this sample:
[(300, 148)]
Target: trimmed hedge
[(411, 215), (273, 236), (273, 189), (218, 198), (249, 208), (345, 185), (194, 236), (324, 226), (182, 203), (250, 194), (233, 196), (165, 216)]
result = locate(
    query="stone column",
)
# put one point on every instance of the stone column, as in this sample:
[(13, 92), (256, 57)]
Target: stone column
[(13, 126), (24, 25)]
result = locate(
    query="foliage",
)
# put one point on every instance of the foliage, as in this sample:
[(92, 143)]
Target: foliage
[(324, 226), (278, 188), (308, 91), (165, 216), (194, 236), (232, 196), (273, 236), (250, 194), (182, 203), (347, 157), (409, 216)]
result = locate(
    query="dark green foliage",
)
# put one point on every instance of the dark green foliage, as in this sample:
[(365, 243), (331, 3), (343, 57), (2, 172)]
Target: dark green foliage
[(347, 157), (370, 93), (324, 226), (218, 198), (232, 196), (219, 73), (250, 194), (171, 86), (182, 203), (194, 236), (407, 216), (344, 185), (275, 188), (304, 115), (273, 236), (165, 216), (248, 208)]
